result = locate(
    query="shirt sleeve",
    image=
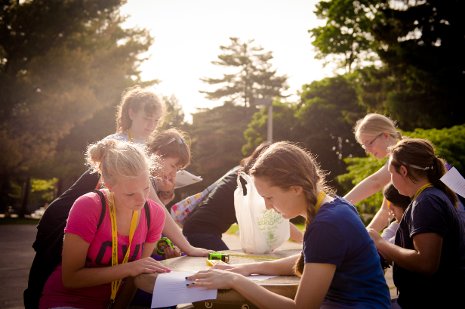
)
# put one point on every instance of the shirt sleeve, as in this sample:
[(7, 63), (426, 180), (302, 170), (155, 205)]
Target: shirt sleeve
[(84, 215), (157, 221)]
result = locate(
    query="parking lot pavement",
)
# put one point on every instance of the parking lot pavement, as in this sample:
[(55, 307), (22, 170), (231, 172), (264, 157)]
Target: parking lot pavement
[(15, 261)]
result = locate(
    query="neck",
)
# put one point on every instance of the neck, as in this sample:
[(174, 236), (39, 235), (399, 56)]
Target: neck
[(417, 186)]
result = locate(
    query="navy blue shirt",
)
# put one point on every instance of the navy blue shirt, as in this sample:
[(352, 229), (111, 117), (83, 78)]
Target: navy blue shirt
[(337, 236), (432, 212)]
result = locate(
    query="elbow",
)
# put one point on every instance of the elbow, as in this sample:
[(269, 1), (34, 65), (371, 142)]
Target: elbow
[(428, 268), (68, 282)]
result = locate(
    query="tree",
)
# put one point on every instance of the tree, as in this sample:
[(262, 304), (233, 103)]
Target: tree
[(250, 75), (420, 45), (61, 63)]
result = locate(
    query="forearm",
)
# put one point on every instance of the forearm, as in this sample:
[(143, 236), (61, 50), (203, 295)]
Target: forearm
[(362, 190), (260, 296), (280, 267), (381, 218), (93, 276)]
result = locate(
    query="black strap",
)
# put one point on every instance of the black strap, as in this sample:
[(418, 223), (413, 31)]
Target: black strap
[(147, 214), (104, 203)]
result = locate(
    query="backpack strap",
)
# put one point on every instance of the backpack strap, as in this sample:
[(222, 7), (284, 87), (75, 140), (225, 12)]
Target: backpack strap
[(104, 203), (147, 214)]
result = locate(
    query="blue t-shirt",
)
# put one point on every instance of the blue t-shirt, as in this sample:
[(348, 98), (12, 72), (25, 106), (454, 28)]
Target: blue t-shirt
[(432, 212), (337, 236)]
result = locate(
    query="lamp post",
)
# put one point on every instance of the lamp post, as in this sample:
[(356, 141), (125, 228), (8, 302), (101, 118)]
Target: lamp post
[(267, 102)]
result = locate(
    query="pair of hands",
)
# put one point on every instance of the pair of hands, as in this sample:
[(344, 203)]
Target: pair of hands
[(219, 276)]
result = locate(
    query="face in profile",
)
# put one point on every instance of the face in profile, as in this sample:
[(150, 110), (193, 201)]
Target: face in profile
[(375, 144), (288, 202)]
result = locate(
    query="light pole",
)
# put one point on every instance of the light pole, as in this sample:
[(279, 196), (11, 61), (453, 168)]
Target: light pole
[(267, 102)]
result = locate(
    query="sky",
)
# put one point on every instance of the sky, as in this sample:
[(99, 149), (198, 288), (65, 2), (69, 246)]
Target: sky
[(188, 35)]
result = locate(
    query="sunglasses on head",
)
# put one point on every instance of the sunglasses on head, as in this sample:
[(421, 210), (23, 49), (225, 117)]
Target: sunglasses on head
[(179, 140)]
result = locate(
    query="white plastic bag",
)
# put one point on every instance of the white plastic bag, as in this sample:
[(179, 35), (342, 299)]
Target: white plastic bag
[(261, 230)]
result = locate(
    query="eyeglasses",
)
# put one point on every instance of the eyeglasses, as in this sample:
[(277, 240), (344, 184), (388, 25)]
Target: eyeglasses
[(370, 143)]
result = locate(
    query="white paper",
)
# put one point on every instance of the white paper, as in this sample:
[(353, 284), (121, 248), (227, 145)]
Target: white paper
[(170, 289), (184, 178), (455, 181)]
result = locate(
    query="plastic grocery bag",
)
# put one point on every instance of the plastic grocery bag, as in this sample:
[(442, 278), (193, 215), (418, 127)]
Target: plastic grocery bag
[(261, 230)]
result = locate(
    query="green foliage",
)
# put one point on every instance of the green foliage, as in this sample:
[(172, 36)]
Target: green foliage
[(420, 45), (62, 63), (249, 75), (449, 144)]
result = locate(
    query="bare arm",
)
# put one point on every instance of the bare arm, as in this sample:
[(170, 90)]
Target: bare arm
[(173, 232), (313, 287), (381, 218), (75, 274), (279, 267), (369, 186), (424, 258)]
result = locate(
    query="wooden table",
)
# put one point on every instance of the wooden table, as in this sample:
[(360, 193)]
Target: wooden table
[(283, 285)]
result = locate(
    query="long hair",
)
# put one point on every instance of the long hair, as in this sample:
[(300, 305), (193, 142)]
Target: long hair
[(284, 165), (134, 99), (420, 160)]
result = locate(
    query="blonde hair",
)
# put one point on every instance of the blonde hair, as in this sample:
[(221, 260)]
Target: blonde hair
[(135, 98), (374, 124), (114, 159)]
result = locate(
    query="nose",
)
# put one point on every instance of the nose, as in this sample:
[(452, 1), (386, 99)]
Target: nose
[(268, 205)]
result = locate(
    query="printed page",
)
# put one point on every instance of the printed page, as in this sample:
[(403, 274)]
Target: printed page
[(170, 289), (455, 181)]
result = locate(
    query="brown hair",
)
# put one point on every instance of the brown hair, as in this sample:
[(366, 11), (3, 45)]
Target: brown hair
[(134, 99), (392, 195), (114, 159), (284, 165), (420, 160), (171, 143), (247, 162)]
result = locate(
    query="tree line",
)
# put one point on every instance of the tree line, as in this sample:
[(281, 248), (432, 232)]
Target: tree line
[(64, 65)]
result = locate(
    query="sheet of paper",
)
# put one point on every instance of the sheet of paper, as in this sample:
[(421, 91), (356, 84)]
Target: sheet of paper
[(170, 289), (184, 178), (455, 181), (259, 277)]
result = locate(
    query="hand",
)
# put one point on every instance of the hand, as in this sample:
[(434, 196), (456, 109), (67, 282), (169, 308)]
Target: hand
[(194, 251), (212, 279), (241, 269), (146, 266), (374, 234), (171, 252)]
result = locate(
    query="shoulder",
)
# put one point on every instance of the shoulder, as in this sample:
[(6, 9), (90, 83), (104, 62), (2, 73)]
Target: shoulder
[(156, 210), (117, 136)]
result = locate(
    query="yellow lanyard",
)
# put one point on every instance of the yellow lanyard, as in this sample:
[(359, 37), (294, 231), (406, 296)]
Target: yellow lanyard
[(130, 137), (428, 185), (319, 200), (114, 242)]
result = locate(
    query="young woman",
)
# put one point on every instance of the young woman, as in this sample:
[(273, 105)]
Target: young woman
[(339, 265), (375, 133), (95, 258), (139, 115), (429, 249)]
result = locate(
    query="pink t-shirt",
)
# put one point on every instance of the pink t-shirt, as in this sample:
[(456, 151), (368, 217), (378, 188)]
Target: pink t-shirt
[(82, 221)]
